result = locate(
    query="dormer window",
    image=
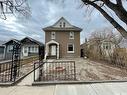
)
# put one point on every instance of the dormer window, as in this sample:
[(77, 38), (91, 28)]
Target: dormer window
[(53, 35), (71, 35), (60, 24), (63, 24)]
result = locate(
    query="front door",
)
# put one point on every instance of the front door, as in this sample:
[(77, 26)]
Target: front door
[(25, 51), (53, 50)]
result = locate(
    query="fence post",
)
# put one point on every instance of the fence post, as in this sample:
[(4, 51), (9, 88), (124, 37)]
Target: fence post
[(74, 71), (34, 72)]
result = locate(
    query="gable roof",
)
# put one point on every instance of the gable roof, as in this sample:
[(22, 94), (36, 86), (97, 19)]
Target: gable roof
[(12, 40), (2, 42), (20, 42), (32, 40), (68, 26)]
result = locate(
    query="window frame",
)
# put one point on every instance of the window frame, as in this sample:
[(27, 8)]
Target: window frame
[(71, 36), (68, 48), (106, 46), (9, 48), (64, 24), (36, 49), (60, 24), (53, 36)]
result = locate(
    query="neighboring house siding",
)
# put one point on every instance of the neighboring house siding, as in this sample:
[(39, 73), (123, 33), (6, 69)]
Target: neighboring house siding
[(8, 54), (33, 49), (108, 48), (2, 48), (62, 37), (26, 42)]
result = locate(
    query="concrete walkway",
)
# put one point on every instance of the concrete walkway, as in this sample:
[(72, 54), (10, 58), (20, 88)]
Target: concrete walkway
[(28, 80), (79, 89)]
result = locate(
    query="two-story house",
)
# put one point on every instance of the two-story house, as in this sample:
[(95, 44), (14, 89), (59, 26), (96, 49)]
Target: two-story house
[(62, 40)]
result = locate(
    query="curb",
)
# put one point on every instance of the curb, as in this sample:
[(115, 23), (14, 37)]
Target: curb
[(76, 82)]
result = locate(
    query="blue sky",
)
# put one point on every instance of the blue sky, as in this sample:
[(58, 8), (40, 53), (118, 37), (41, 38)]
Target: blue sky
[(46, 13)]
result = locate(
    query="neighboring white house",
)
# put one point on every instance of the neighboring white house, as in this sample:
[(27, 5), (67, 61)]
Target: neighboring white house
[(29, 47), (107, 47)]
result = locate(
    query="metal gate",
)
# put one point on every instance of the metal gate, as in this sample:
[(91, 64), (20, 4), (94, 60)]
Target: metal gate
[(55, 71)]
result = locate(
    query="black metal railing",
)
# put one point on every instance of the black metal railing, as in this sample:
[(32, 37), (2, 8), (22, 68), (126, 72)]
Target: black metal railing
[(9, 71), (6, 73), (55, 71)]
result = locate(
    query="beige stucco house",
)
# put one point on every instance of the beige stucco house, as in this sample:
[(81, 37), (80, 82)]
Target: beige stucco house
[(62, 40)]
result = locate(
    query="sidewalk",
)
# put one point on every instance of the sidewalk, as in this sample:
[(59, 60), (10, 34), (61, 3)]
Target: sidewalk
[(79, 89)]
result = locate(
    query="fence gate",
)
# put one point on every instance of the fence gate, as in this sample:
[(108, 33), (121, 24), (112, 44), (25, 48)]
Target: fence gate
[(55, 71)]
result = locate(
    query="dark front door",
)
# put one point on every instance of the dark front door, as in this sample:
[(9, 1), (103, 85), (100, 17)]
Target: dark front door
[(82, 53)]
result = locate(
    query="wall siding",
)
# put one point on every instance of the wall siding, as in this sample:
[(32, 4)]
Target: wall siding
[(62, 37)]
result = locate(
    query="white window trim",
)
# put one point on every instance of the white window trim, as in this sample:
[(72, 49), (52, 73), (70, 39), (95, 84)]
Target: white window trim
[(73, 48), (73, 35), (53, 37), (108, 45)]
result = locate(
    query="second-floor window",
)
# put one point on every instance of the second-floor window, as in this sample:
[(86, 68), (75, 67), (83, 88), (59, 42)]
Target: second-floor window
[(53, 35), (71, 35)]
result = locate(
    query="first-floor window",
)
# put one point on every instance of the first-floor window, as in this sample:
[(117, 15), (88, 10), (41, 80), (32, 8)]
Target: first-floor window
[(32, 48), (29, 49), (36, 49), (107, 46), (10, 48), (70, 48)]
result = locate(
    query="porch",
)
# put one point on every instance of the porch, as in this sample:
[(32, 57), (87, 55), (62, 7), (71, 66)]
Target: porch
[(52, 50)]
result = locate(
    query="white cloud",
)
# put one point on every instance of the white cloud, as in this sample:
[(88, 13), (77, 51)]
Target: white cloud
[(46, 13)]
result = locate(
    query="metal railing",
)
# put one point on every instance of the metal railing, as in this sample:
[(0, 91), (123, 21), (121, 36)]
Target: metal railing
[(9, 73), (55, 71)]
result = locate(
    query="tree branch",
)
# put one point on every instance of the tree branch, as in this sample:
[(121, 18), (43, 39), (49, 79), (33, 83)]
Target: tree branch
[(119, 2), (110, 19), (118, 9)]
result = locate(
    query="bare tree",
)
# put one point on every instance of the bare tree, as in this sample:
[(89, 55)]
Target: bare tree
[(117, 8), (107, 34), (100, 37), (14, 7)]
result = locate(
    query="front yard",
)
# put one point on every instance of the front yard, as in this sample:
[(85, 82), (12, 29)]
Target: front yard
[(89, 70)]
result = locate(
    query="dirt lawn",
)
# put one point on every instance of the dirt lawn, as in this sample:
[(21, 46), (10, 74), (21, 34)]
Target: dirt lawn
[(90, 70)]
